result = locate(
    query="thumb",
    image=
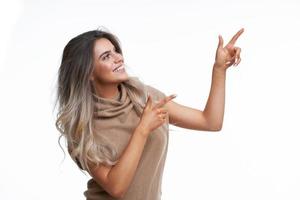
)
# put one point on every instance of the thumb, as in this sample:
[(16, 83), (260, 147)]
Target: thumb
[(149, 101), (220, 45)]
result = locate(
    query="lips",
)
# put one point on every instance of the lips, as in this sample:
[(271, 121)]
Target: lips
[(117, 68)]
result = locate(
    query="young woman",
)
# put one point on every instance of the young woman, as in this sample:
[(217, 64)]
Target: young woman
[(116, 127)]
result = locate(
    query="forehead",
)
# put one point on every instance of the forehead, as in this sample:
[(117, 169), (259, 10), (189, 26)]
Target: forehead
[(102, 45)]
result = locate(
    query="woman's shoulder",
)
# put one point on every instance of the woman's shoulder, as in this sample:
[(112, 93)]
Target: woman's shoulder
[(152, 90), (155, 91)]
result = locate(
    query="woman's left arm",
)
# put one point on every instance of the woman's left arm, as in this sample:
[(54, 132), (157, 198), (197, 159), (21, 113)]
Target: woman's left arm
[(211, 118)]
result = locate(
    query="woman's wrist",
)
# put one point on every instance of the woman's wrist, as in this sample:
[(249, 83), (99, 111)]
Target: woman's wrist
[(219, 69), (141, 129)]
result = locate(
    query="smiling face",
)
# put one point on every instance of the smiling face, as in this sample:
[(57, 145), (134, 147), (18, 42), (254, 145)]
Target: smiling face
[(108, 64)]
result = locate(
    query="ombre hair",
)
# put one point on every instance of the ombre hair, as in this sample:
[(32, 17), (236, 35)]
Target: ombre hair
[(75, 101)]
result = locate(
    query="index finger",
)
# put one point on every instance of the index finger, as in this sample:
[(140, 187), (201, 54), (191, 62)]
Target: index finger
[(165, 100), (236, 36)]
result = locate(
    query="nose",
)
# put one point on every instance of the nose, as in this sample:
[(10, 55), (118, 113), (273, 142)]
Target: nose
[(118, 57)]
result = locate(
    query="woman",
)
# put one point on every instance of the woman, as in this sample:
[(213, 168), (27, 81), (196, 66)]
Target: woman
[(116, 126)]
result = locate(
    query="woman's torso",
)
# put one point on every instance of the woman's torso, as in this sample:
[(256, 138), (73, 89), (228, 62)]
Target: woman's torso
[(146, 183)]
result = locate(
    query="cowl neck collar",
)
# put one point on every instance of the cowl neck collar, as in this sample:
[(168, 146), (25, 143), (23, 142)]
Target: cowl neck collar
[(105, 107)]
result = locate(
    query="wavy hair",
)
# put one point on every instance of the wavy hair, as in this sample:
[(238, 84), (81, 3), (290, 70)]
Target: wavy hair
[(75, 101)]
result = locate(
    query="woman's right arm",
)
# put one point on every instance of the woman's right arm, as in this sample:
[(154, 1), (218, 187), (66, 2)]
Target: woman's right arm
[(116, 179)]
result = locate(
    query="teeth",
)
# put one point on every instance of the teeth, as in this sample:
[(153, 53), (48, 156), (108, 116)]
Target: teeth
[(122, 67)]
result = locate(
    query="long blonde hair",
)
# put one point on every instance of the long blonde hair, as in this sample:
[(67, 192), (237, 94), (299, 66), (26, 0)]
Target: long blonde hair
[(75, 102)]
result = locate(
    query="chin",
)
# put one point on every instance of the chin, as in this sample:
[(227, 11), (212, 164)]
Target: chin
[(122, 78), (126, 78)]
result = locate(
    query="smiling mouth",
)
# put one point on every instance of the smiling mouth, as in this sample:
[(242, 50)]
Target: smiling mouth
[(121, 67)]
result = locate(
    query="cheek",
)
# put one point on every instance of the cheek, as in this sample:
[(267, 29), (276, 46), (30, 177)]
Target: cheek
[(102, 72)]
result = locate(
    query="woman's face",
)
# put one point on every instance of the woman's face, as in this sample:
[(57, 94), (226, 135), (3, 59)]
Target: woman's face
[(108, 64)]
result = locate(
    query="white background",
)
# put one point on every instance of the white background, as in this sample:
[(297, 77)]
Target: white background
[(171, 46)]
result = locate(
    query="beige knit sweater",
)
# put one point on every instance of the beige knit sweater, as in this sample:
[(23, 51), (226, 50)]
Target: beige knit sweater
[(117, 118)]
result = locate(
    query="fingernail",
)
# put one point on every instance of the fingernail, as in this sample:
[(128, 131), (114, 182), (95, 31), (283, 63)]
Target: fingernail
[(174, 95)]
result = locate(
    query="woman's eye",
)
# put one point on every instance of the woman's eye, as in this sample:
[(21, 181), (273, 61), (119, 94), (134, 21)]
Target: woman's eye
[(106, 56)]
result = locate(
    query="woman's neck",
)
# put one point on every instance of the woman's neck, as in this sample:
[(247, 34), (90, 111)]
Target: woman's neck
[(107, 91)]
